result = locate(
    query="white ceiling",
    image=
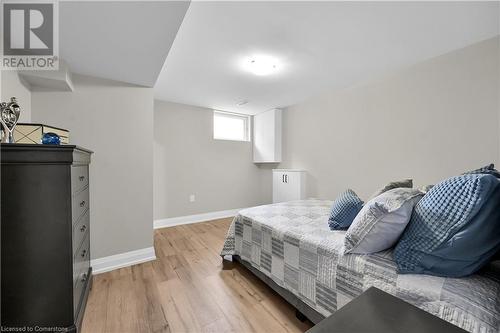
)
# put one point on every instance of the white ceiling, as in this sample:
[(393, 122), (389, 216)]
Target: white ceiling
[(322, 45), (120, 40)]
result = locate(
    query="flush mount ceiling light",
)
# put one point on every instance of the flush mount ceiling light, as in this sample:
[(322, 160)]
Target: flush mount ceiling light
[(261, 65)]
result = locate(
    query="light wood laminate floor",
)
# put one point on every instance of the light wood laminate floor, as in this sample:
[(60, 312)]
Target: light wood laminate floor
[(186, 290)]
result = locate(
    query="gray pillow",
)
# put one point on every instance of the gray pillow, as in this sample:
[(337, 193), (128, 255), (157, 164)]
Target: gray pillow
[(408, 183), (425, 188), (487, 169), (381, 222)]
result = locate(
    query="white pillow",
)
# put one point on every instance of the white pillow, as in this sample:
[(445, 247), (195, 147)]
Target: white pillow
[(381, 222)]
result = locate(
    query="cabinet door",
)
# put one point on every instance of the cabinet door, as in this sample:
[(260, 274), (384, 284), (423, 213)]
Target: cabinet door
[(287, 186), (267, 137), (291, 186), (278, 186)]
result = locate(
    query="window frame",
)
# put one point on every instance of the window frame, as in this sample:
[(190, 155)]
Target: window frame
[(247, 121)]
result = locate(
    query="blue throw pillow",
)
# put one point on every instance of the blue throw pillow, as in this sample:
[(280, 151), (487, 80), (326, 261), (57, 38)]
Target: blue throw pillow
[(473, 246), (344, 210), (454, 229)]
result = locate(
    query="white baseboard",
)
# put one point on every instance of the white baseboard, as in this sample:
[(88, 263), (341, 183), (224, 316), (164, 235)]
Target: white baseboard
[(173, 221), (106, 264)]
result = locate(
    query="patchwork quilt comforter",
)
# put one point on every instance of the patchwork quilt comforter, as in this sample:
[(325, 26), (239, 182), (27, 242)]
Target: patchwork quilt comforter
[(291, 243)]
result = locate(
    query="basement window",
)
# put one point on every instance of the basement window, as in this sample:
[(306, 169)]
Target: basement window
[(231, 126)]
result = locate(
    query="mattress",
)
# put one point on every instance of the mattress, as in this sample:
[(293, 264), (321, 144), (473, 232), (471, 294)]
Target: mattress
[(291, 244)]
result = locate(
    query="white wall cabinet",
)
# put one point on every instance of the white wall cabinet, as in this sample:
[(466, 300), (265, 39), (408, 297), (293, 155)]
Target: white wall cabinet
[(288, 185), (267, 137)]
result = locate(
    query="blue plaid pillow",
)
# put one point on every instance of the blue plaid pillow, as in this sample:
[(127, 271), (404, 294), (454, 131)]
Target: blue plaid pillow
[(344, 210), (442, 213)]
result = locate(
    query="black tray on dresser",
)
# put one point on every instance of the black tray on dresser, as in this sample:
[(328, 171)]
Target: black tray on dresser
[(45, 240)]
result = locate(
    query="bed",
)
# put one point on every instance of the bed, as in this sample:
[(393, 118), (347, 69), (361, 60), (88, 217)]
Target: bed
[(290, 247)]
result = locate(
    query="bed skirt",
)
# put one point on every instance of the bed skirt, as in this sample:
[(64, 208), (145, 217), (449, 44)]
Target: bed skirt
[(302, 307)]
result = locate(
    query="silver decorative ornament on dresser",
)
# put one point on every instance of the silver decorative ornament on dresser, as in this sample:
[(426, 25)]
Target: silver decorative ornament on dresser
[(9, 115)]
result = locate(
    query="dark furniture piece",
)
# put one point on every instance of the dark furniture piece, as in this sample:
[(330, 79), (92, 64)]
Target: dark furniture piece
[(377, 311), (45, 267)]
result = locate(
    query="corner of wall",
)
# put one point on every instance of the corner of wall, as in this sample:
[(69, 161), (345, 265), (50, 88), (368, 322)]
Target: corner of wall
[(119, 163)]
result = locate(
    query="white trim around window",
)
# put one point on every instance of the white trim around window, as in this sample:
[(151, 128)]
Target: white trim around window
[(231, 126)]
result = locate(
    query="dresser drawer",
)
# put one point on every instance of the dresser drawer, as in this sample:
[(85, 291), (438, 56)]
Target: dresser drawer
[(81, 258), (79, 177), (80, 230), (81, 264), (80, 203), (78, 288)]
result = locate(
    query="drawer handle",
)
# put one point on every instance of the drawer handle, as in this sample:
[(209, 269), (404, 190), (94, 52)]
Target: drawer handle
[(83, 228), (82, 203), (82, 178), (84, 277), (84, 252)]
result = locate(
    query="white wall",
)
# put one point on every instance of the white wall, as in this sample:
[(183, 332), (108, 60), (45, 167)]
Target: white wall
[(115, 120), (13, 86), (187, 160), (433, 120)]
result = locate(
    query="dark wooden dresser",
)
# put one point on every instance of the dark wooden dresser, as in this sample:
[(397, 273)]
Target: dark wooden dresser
[(45, 268)]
